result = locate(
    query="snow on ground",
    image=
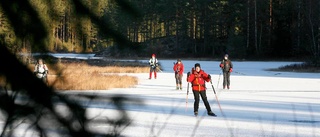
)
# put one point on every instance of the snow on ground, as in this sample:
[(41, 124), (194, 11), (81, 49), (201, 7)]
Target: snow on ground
[(260, 103)]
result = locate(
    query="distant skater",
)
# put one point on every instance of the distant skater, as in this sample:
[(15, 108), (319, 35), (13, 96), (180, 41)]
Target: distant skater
[(226, 66), (41, 70), (153, 66), (178, 69)]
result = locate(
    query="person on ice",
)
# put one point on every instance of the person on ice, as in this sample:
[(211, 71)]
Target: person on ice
[(153, 66), (197, 78), (178, 69), (41, 70), (226, 66)]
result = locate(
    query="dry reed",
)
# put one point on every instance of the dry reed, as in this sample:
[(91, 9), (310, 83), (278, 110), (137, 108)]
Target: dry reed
[(81, 76)]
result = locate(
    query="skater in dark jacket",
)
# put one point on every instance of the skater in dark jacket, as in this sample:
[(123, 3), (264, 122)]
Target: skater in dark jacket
[(198, 77), (178, 69), (226, 66)]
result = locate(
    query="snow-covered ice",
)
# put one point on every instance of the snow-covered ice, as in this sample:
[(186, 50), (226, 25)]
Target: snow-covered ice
[(259, 103)]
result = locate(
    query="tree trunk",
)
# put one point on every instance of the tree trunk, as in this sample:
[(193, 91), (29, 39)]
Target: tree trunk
[(248, 24), (270, 23), (256, 28), (299, 24), (314, 46)]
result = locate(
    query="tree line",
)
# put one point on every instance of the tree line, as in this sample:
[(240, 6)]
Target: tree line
[(200, 28)]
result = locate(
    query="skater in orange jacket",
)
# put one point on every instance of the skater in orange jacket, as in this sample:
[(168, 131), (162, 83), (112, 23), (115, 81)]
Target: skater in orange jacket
[(198, 78)]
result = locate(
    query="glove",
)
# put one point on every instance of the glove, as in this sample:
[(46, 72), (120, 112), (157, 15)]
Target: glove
[(230, 70), (209, 76), (221, 65), (188, 74)]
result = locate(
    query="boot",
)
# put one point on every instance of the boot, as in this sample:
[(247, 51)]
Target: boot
[(196, 113), (180, 87), (177, 87), (210, 113)]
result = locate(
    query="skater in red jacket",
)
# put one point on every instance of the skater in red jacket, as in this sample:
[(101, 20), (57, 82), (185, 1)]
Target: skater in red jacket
[(198, 78), (178, 69)]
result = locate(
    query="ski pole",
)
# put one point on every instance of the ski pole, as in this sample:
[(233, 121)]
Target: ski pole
[(158, 69), (187, 98), (216, 96), (239, 73)]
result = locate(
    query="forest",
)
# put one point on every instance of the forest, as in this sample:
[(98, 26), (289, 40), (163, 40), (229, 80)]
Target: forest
[(269, 29)]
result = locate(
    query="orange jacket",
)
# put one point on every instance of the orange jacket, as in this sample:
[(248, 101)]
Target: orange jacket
[(198, 80), (178, 68)]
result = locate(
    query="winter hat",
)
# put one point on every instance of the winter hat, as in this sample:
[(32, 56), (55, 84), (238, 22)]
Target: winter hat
[(197, 65), (153, 55), (226, 55)]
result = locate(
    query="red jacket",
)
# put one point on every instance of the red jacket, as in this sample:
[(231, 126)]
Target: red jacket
[(198, 80), (178, 68)]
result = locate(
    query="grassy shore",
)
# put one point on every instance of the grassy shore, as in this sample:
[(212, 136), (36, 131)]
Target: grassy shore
[(82, 76), (91, 75), (303, 67)]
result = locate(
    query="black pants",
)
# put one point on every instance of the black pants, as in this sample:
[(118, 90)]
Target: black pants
[(226, 79), (44, 77), (203, 95)]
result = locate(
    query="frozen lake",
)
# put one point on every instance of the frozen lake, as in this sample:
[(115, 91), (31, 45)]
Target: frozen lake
[(259, 103)]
